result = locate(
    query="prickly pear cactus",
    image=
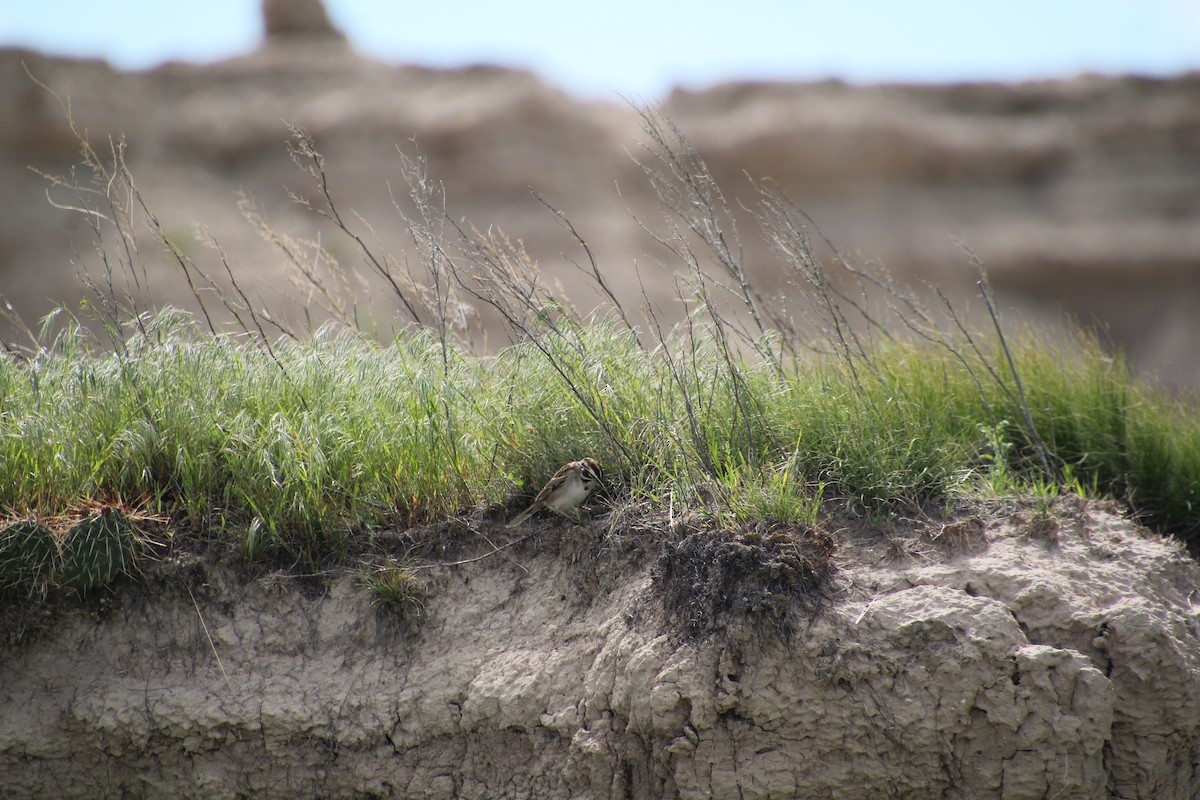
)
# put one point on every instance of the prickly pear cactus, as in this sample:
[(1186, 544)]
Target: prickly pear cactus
[(28, 556), (97, 550)]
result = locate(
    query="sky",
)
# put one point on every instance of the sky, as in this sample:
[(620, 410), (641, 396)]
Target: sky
[(642, 48)]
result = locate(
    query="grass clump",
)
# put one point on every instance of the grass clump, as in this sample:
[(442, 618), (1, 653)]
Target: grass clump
[(396, 587), (302, 444), (335, 435), (342, 434)]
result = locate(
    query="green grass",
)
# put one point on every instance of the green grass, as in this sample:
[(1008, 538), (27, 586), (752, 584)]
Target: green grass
[(306, 445), (313, 443)]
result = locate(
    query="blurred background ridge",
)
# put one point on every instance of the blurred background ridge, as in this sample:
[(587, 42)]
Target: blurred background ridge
[(1071, 166)]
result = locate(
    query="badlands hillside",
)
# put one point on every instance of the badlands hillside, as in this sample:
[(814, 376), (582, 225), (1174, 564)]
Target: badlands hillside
[(1081, 197), (997, 648)]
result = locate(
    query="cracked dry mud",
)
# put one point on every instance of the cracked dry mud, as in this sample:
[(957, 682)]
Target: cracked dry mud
[(1015, 656)]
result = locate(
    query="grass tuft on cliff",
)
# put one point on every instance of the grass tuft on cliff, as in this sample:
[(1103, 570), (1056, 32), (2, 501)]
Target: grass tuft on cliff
[(328, 438), (299, 444)]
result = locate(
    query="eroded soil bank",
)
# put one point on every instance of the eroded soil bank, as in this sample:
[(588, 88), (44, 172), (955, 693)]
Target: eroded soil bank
[(1012, 656)]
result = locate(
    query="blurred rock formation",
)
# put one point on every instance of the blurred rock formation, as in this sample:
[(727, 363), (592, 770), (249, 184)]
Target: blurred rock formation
[(283, 19), (1081, 197)]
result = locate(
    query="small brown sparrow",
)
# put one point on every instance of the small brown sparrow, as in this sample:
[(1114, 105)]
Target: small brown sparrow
[(569, 487)]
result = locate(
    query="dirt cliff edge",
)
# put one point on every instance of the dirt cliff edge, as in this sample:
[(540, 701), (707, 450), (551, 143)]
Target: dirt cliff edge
[(1022, 656)]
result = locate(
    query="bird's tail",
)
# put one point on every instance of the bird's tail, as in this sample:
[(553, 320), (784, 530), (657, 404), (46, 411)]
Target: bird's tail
[(519, 518)]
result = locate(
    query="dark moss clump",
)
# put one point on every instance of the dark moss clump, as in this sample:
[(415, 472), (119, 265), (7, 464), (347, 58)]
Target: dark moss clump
[(773, 575)]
